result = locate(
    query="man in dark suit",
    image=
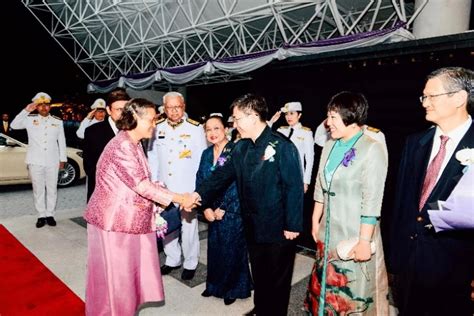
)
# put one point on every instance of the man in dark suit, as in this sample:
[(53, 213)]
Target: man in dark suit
[(266, 166), (434, 270), (5, 124), (98, 135)]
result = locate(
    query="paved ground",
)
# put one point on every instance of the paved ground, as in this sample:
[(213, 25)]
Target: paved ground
[(17, 200)]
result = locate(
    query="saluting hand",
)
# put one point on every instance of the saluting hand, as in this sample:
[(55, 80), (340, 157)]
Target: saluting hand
[(90, 115), (31, 107)]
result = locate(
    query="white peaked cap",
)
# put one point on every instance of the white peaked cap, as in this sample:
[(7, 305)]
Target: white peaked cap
[(41, 97), (98, 104), (292, 107), (161, 109)]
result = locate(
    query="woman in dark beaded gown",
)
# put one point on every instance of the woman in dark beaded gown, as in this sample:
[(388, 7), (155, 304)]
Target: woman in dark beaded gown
[(228, 273)]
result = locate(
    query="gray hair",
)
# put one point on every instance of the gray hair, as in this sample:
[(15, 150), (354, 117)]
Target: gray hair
[(172, 94), (456, 79)]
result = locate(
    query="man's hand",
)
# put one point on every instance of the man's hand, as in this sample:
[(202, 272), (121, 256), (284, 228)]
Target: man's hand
[(305, 186), (90, 115), (31, 107), (190, 201), (61, 165), (290, 235)]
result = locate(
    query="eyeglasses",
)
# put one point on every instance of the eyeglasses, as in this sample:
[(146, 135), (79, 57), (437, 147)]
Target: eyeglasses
[(424, 97), (173, 108)]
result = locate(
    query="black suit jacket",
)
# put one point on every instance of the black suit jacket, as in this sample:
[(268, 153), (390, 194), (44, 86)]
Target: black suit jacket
[(270, 191), (96, 137), (7, 131), (434, 261)]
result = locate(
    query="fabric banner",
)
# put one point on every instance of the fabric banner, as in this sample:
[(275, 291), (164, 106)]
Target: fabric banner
[(247, 63)]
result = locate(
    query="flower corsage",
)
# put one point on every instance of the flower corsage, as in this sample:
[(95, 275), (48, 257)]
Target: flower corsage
[(349, 156), (270, 151), (161, 226), (465, 157)]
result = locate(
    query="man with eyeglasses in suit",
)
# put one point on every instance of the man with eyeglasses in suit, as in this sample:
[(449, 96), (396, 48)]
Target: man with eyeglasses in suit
[(434, 270)]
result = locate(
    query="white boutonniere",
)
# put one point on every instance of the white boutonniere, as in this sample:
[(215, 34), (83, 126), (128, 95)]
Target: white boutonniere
[(465, 157), (270, 151)]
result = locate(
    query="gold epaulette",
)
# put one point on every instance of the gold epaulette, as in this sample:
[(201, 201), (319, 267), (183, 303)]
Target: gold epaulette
[(161, 120), (306, 128), (372, 129), (284, 127), (195, 123), (54, 116)]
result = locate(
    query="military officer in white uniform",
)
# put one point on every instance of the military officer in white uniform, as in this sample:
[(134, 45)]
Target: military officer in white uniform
[(174, 155), (46, 154), (97, 115), (301, 136), (322, 135)]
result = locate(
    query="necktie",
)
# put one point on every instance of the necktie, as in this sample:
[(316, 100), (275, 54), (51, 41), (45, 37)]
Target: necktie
[(291, 132), (433, 171)]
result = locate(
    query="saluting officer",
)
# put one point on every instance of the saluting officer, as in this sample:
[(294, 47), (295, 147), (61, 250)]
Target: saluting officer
[(174, 155), (301, 136), (46, 154)]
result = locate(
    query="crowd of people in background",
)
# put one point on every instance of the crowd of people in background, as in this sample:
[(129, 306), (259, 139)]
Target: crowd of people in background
[(249, 183)]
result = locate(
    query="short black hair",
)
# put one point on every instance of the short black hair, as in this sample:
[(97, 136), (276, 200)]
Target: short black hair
[(251, 102), (119, 94), (351, 106)]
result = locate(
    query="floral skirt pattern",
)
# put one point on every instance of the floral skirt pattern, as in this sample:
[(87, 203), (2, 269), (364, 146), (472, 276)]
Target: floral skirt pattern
[(350, 287)]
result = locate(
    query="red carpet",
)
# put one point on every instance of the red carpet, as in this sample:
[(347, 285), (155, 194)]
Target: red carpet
[(28, 287)]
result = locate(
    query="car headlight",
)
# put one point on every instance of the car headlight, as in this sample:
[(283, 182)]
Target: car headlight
[(79, 153)]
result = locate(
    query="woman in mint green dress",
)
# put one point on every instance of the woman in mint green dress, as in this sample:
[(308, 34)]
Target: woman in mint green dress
[(348, 199)]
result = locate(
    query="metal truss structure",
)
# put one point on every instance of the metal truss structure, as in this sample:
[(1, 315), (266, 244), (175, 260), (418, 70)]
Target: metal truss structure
[(112, 38)]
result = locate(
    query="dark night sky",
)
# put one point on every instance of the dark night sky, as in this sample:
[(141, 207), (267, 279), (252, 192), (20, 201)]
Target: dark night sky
[(34, 62)]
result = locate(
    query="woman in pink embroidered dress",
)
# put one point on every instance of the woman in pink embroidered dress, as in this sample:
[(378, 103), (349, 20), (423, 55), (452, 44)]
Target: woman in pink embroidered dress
[(123, 269)]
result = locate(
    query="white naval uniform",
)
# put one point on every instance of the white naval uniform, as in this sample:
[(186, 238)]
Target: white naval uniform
[(174, 155), (85, 124), (302, 137), (46, 148), (321, 136)]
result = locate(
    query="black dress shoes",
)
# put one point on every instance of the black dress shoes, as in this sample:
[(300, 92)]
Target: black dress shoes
[(50, 221), (188, 274), (167, 269), (41, 222), (253, 312), (206, 293), (229, 301)]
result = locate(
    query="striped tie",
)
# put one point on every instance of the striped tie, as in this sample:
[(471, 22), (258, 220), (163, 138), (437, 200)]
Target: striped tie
[(433, 171)]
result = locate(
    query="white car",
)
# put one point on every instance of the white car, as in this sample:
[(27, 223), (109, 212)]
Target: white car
[(13, 167)]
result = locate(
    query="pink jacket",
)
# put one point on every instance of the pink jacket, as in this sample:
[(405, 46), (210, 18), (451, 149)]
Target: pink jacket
[(123, 197)]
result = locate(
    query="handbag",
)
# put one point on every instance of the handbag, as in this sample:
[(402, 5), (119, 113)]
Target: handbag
[(172, 215), (345, 246)]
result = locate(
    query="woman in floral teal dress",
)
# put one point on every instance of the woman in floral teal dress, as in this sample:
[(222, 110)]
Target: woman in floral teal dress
[(348, 199), (228, 272)]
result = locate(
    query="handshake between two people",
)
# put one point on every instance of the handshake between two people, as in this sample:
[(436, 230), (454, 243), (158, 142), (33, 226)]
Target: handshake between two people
[(187, 201)]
